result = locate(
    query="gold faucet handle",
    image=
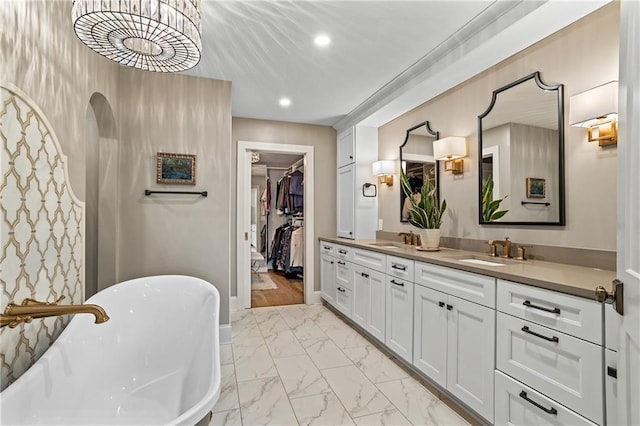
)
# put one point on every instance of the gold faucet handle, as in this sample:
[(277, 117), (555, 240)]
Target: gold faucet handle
[(492, 249), (521, 253), (34, 302)]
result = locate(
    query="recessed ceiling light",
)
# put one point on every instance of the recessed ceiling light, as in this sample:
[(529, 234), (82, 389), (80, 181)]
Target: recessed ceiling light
[(285, 102), (322, 40)]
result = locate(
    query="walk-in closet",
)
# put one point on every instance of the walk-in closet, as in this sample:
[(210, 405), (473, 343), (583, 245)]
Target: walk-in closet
[(277, 229)]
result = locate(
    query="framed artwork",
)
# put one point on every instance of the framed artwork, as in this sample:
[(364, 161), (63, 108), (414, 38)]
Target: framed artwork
[(176, 168), (536, 188)]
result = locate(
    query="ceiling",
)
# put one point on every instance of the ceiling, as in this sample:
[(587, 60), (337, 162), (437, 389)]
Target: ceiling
[(385, 57), (266, 49)]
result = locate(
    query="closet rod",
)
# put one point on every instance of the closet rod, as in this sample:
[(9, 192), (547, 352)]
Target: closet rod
[(148, 192), (278, 168)]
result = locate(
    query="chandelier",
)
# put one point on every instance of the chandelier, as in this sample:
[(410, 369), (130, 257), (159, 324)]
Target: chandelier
[(255, 157), (151, 35)]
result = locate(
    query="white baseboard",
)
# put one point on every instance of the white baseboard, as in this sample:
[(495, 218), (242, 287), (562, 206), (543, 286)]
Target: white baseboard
[(314, 298), (225, 334), (233, 303)]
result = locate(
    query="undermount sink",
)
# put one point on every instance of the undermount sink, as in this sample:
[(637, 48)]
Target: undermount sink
[(481, 262), (385, 245)]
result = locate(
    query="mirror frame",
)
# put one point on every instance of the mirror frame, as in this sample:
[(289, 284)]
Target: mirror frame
[(561, 185), (436, 135)]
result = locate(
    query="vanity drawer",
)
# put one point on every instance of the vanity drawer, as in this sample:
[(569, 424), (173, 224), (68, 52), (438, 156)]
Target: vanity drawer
[(573, 315), (465, 285), (400, 267), (370, 259), (560, 366), (343, 300), (343, 274), (518, 404), (327, 248), (344, 252)]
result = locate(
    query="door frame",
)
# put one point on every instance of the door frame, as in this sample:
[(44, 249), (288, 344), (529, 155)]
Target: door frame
[(243, 223)]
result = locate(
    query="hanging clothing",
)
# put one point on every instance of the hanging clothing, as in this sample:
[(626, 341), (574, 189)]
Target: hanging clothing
[(290, 193), (297, 247), (287, 250)]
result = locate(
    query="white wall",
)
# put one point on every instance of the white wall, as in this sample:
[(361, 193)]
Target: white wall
[(566, 57), (175, 234)]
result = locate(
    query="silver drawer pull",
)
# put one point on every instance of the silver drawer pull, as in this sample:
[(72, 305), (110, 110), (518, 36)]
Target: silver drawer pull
[(397, 283), (342, 251), (551, 410), (530, 305), (553, 339), (401, 268)]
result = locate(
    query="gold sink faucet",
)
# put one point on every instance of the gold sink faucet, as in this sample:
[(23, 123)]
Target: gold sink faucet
[(30, 309), (506, 248), (410, 238)]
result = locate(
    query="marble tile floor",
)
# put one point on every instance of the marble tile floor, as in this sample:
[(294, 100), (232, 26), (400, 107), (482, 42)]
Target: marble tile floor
[(303, 365)]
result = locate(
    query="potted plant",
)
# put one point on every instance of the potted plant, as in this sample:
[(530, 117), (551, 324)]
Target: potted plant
[(490, 206), (426, 212)]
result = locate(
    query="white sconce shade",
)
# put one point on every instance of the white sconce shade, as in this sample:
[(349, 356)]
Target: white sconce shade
[(384, 169), (597, 110), (451, 149)]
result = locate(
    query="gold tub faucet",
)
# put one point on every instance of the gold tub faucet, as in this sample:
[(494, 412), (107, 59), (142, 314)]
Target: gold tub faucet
[(30, 309)]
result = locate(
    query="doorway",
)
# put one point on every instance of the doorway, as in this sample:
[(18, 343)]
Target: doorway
[(296, 285)]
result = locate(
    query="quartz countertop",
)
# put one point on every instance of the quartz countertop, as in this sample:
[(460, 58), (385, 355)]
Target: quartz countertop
[(569, 279)]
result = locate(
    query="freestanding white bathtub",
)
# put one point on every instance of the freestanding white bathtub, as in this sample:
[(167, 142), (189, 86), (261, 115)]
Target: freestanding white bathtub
[(155, 362)]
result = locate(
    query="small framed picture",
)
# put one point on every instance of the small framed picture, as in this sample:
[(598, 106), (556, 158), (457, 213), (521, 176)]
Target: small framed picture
[(176, 168), (536, 188)]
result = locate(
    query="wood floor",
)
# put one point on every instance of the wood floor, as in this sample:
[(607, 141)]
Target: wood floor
[(289, 292)]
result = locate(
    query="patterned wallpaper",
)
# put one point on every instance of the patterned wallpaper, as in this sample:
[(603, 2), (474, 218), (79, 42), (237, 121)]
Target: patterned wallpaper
[(41, 230)]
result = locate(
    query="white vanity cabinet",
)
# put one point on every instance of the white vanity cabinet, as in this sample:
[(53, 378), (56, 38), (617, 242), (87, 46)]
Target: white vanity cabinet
[(357, 214), (454, 346), (399, 317), (369, 300), (328, 278), (545, 340)]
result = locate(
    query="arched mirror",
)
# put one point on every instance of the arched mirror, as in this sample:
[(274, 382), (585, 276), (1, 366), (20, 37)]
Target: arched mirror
[(416, 160), (521, 138)]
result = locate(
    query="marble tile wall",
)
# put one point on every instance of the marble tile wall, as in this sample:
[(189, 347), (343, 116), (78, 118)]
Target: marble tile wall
[(42, 238)]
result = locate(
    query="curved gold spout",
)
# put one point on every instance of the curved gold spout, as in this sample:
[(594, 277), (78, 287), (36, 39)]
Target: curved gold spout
[(30, 309)]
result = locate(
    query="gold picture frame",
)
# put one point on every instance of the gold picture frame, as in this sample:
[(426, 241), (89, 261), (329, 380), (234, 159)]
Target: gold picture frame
[(536, 188), (175, 168)]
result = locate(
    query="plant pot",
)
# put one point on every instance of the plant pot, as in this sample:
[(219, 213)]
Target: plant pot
[(430, 238)]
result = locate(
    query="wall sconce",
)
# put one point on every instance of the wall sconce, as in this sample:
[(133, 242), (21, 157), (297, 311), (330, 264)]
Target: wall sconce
[(597, 110), (384, 169), (451, 150)]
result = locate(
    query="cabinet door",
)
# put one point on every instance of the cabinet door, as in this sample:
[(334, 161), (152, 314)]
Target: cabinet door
[(470, 354), (346, 202), (361, 295), (430, 333), (328, 278), (346, 145), (377, 307), (344, 301), (399, 317)]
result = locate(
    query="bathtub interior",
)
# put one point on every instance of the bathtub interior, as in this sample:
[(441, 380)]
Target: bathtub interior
[(153, 362)]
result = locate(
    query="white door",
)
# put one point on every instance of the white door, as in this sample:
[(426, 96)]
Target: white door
[(470, 354), (399, 317), (628, 263), (377, 307), (328, 278), (346, 143), (346, 201), (361, 295), (430, 333)]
